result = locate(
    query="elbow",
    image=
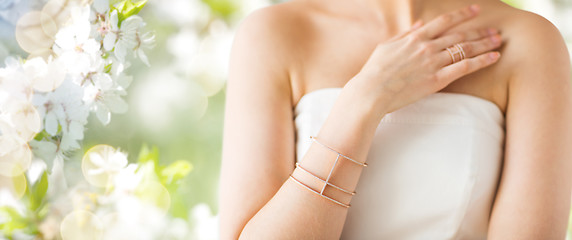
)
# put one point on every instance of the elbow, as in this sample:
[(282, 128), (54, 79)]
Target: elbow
[(231, 230), (233, 234)]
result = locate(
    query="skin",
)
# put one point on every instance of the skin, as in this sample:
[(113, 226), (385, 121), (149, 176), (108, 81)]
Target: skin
[(284, 51)]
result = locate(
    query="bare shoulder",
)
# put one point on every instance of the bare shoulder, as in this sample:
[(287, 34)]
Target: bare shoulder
[(264, 49), (278, 25), (534, 44), (537, 32)]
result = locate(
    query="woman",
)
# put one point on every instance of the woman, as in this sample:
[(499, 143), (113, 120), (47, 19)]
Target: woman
[(461, 143)]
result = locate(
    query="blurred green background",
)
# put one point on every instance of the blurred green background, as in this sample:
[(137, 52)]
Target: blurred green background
[(177, 104)]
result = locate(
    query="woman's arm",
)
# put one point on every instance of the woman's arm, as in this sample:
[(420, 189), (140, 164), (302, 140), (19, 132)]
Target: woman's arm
[(259, 138), (533, 199), (257, 199)]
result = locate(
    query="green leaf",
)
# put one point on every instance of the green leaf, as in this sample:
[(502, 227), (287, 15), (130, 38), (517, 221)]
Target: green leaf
[(107, 68), (175, 171), (10, 212), (39, 192), (41, 135), (146, 154), (128, 8), (43, 211), (132, 8), (15, 222)]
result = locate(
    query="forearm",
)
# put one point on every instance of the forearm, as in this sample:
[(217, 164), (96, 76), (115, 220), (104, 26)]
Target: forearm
[(296, 212)]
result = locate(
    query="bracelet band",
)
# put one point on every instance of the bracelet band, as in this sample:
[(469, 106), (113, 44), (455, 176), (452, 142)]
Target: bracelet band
[(316, 192), (325, 181), (339, 154)]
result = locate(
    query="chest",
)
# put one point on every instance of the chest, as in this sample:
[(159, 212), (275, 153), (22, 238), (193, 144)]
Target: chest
[(335, 51)]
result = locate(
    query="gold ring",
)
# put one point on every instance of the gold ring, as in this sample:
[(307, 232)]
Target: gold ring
[(461, 50), (456, 50), (452, 54)]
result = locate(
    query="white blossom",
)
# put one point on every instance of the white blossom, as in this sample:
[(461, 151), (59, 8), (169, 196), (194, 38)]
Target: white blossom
[(14, 83), (127, 37), (19, 118), (108, 162), (44, 76), (110, 30), (100, 6), (53, 96), (144, 41), (15, 155), (117, 74), (75, 46), (122, 38), (63, 110), (103, 95), (46, 150), (135, 219), (128, 178)]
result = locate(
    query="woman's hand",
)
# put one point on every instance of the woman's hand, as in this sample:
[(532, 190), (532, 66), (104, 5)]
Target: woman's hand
[(417, 63)]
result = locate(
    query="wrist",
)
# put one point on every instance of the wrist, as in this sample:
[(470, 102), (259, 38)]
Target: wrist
[(353, 120), (364, 99)]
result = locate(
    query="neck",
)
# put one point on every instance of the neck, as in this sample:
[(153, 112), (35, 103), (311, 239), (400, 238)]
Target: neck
[(394, 15), (397, 11)]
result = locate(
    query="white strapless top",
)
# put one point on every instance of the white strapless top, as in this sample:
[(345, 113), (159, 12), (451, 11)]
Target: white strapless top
[(433, 171)]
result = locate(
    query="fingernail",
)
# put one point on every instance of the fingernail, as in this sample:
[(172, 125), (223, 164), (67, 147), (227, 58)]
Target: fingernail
[(494, 56), (417, 24), (492, 31), (496, 39), (475, 8)]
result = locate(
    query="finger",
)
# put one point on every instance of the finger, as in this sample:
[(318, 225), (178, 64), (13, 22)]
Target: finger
[(458, 37), (471, 49), (446, 21), (457, 70), (415, 26)]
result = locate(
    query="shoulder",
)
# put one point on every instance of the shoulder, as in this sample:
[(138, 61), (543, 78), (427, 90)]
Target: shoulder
[(539, 65), (280, 25), (263, 52), (270, 36), (537, 32), (534, 44)]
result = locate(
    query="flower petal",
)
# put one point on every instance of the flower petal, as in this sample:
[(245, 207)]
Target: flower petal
[(51, 125), (75, 130), (115, 103), (109, 41), (143, 57), (103, 114), (101, 6), (120, 52), (114, 20)]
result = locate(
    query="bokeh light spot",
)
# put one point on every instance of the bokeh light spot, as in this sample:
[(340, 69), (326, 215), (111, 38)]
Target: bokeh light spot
[(95, 166), (15, 156), (154, 193), (81, 224), (26, 119), (30, 33), (60, 12), (16, 185)]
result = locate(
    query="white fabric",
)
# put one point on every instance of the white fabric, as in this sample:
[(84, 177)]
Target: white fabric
[(433, 171)]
